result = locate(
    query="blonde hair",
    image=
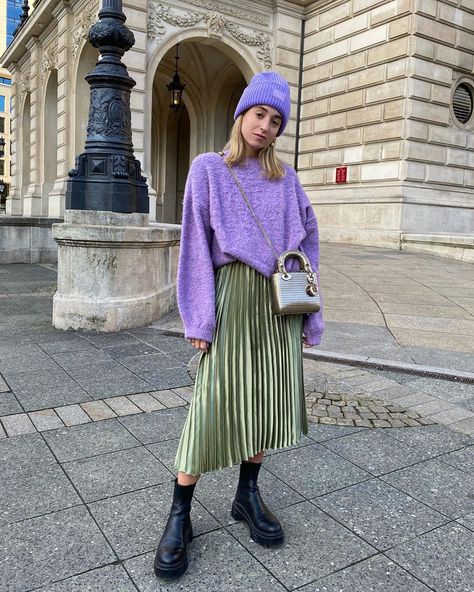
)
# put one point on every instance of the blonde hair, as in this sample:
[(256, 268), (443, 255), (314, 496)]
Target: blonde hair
[(272, 166)]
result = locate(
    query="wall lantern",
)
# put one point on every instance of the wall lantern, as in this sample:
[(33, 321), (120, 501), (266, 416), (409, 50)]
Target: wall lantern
[(2, 146), (175, 87)]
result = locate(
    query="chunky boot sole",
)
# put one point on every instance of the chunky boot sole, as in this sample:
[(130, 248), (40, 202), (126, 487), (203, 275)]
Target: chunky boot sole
[(262, 538), (173, 571)]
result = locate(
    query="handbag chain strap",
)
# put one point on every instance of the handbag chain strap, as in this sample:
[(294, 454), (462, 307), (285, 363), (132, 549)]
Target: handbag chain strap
[(250, 207)]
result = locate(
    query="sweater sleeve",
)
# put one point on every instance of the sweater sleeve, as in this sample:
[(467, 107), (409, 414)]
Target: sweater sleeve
[(313, 324), (195, 282)]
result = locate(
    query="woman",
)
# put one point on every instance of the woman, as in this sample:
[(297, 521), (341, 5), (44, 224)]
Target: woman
[(248, 395)]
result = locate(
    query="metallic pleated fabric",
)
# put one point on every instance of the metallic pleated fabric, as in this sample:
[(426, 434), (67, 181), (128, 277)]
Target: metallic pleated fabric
[(249, 392)]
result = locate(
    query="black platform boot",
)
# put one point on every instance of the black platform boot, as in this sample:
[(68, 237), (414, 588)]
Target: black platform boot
[(248, 505), (171, 558)]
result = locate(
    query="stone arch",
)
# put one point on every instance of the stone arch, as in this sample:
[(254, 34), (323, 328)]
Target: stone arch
[(25, 145), (211, 78), (237, 53), (50, 138), (86, 60)]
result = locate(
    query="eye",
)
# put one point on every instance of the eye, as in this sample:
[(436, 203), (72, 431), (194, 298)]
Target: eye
[(276, 122)]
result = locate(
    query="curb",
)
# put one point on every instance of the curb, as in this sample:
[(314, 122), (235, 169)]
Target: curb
[(368, 362)]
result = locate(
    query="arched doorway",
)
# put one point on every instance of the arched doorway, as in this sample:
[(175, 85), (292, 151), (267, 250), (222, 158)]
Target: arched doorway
[(50, 159), (25, 146), (213, 86)]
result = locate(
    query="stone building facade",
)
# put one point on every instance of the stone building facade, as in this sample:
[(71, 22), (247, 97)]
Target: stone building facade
[(382, 127)]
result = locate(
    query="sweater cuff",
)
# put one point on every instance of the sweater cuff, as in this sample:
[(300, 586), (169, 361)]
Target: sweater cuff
[(204, 333)]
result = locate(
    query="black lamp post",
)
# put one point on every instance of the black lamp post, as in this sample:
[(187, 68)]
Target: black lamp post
[(107, 176), (175, 87), (2, 146), (25, 9)]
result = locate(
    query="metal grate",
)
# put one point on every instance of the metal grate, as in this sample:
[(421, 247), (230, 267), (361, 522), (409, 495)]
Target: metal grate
[(463, 103)]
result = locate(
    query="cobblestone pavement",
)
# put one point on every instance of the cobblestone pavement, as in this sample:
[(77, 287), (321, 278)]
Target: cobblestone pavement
[(90, 429)]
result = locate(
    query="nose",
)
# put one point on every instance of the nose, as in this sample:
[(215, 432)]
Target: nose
[(264, 124)]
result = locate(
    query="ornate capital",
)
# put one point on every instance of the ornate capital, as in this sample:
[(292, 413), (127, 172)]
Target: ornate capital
[(83, 23), (50, 60), (25, 83)]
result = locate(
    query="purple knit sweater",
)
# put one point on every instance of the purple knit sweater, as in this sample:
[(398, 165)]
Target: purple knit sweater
[(218, 228)]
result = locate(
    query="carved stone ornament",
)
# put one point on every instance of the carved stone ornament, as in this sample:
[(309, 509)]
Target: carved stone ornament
[(50, 60), (25, 83), (161, 13), (216, 23), (84, 22), (230, 11)]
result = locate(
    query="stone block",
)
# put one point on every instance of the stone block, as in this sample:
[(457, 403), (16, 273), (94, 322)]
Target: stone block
[(345, 138), (383, 131), (389, 11), (349, 64), (318, 40), (367, 39), (417, 130), (17, 424), (448, 136), (364, 116), (168, 398), (356, 154), (333, 51), (347, 101), (386, 92), (437, 73), (312, 75), (426, 27), (388, 51), (450, 14), (419, 89), (380, 171), (424, 48), (379, 513), (391, 150), (397, 69), (334, 15), (351, 26), (72, 415), (444, 175), (98, 410), (122, 406), (334, 86), (400, 27), (46, 419), (426, 152), (366, 77)]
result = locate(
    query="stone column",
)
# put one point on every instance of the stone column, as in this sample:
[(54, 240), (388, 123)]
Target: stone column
[(13, 203), (32, 202), (64, 17)]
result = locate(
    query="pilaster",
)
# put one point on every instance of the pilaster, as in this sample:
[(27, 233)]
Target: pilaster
[(32, 201), (13, 202)]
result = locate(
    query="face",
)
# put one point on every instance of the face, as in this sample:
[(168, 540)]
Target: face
[(260, 126)]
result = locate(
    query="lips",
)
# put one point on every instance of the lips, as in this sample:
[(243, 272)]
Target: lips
[(260, 137)]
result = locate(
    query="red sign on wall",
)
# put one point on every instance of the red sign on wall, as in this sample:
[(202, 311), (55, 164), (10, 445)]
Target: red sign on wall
[(341, 175)]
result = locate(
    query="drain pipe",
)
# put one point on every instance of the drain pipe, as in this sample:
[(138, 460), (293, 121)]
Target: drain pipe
[(300, 92)]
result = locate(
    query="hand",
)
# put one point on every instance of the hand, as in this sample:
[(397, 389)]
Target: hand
[(199, 344), (306, 344)]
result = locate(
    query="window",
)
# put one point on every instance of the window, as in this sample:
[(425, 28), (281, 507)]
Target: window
[(2, 103), (2, 167), (13, 18), (5, 81), (2, 125)]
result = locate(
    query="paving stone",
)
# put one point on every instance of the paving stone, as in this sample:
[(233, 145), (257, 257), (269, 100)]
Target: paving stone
[(18, 424), (3, 433), (440, 486), (167, 379), (84, 361), (371, 575), (332, 546), (106, 340), (149, 363), (421, 557), (375, 452), (24, 452), (9, 404), (138, 348), (55, 539), (104, 579), (467, 521), (146, 402), (45, 419), (209, 569), (115, 473), (216, 491), (89, 439), (432, 407), (320, 433), (3, 385), (33, 491), (431, 440), (165, 451), (168, 398), (328, 420), (114, 386), (98, 410), (451, 415), (159, 425), (393, 392), (122, 406), (379, 513), (185, 392), (133, 522), (466, 426), (462, 459), (414, 399), (313, 470), (381, 423), (72, 415)]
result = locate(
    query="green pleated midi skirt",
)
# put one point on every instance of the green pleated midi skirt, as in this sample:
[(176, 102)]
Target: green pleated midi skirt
[(249, 392)]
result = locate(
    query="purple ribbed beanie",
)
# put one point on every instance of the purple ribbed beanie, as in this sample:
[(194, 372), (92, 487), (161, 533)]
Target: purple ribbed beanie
[(267, 88)]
